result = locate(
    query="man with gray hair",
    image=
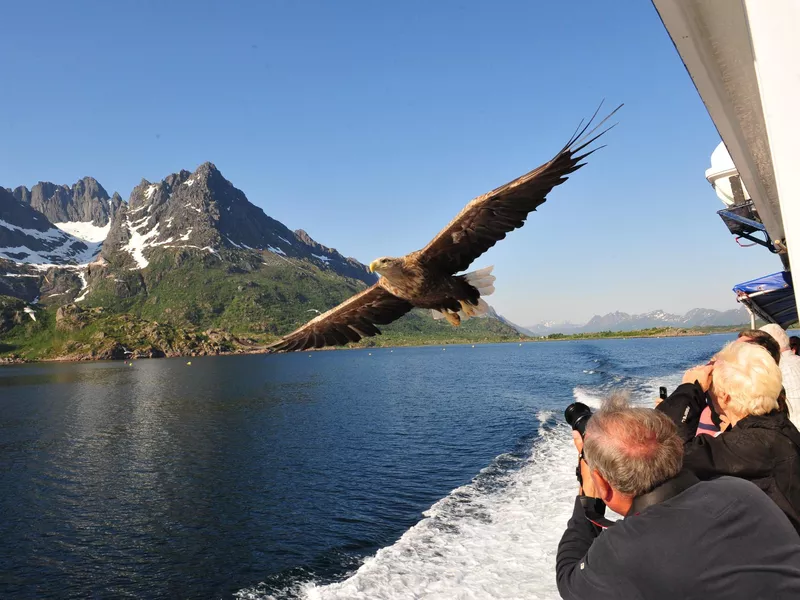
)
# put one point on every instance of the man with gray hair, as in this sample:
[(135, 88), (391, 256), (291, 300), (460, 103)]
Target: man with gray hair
[(680, 537), (790, 370)]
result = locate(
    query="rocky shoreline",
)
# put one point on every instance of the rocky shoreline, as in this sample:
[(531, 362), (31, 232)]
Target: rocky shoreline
[(218, 343)]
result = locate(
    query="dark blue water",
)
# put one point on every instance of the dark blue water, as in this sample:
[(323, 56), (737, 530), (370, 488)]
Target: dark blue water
[(258, 473)]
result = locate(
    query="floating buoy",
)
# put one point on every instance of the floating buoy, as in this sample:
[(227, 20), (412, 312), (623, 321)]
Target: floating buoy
[(369, 354), (520, 344), (473, 345), (188, 363)]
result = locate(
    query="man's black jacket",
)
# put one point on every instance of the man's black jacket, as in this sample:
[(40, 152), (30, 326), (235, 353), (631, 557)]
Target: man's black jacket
[(716, 539), (764, 449)]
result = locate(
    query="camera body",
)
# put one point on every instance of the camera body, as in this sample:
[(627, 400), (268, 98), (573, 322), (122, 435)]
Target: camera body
[(577, 415)]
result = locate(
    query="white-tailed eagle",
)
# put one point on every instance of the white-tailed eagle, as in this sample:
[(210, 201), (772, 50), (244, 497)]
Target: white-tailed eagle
[(428, 278)]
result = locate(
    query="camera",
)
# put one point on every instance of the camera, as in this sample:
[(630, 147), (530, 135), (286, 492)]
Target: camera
[(577, 415)]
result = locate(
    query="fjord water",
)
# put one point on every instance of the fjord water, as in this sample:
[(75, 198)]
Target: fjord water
[(383, 473)]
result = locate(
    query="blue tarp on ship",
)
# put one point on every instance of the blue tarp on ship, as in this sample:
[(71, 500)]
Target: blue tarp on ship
[(770, 297)]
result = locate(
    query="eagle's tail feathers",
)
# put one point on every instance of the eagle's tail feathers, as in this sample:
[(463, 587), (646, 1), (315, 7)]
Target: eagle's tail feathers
[(482, 280)]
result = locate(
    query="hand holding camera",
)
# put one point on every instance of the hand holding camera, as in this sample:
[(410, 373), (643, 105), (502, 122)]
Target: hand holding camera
[(583, 471), (702, 375), (577, 415)]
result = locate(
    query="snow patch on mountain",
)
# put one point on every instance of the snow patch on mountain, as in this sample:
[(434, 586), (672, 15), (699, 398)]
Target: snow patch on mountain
[(84, 286), (139, 241), (208, 249), (49, 235), (56, 247), (85, 230)]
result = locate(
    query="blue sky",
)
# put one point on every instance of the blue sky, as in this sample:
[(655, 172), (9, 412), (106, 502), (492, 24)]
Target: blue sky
[(371, 124)]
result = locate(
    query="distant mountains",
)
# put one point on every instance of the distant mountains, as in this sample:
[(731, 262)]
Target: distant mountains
[(184, 258), (621, 321), (79, 235)]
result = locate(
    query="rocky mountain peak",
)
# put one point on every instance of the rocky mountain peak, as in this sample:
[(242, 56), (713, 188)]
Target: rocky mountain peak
[(303, 236), (22, 194), (86, 201), (208, 170), (204, 212), (184, 214), (89, 188), (19, 215)]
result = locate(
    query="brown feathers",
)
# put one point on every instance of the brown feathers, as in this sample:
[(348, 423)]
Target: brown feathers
[(488, 218), (426, 278), (349, 322)]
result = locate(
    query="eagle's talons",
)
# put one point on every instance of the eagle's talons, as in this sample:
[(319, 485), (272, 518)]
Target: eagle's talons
[(452, 318), (467, 308)]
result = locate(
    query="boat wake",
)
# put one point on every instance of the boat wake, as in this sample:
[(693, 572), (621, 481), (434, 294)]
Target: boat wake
[(495, 537)]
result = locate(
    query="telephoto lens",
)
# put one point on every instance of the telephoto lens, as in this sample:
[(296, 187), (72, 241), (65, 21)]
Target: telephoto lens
[(577, 415)]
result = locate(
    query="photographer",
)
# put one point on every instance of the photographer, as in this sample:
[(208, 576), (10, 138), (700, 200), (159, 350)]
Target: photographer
[(680, 537), (743, 383)]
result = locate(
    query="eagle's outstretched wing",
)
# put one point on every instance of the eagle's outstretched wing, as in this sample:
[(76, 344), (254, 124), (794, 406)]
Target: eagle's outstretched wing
[(488, 218), (353, 319)]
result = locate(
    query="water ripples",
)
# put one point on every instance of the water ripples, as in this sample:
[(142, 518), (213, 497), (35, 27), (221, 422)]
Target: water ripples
[(317, 476)]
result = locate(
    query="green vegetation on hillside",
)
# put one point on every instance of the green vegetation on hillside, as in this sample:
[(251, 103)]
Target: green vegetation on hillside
[(242, 294), (194, 303)]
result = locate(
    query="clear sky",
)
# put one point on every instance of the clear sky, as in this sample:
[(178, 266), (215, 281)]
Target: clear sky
[(371, 124)]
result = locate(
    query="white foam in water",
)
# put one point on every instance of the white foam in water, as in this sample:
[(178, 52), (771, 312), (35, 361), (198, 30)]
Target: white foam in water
[(498, 542), (493, 538), (592, 399)]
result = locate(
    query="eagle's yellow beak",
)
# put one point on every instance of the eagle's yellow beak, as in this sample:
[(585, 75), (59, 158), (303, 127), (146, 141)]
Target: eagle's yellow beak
[(373, 266)]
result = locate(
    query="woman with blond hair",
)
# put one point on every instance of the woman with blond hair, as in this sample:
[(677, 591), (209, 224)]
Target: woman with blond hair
[(762, 445)]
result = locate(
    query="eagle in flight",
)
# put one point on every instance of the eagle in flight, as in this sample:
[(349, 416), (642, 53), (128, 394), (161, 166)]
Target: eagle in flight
[(428, 278)]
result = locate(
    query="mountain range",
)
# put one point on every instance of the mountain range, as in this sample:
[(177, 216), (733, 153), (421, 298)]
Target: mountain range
[(621, 321), (189, 265), (82, 270)]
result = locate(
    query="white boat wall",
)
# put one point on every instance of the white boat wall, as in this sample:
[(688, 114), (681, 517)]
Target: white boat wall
[(742, 57)]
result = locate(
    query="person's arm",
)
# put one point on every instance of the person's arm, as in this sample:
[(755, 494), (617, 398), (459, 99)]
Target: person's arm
[(684, 407), (737, 453), (586, 566), (578, 537)]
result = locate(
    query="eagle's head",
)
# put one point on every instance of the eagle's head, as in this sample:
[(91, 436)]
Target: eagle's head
[(386, 266)]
